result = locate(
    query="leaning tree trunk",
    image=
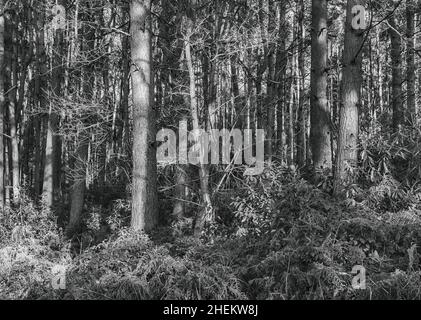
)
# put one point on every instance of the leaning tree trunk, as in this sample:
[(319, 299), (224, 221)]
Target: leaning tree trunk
[(321, 131), (144, 193), (347, 156), (206, 213)]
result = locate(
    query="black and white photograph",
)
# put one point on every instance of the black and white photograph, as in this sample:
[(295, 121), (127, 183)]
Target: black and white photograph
[(215, 156)]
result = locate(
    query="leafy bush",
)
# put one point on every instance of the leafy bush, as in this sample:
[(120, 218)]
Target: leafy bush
[(286, 239), (132, 267), (397, 155), (30, 246), (307, 242)]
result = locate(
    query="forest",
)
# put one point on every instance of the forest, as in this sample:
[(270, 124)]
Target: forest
[(210, 149)]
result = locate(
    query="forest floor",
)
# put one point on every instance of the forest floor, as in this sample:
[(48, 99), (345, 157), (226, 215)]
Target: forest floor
[(286, 239)]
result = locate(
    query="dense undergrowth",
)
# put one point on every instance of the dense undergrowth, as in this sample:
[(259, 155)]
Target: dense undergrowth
[(282, 238)]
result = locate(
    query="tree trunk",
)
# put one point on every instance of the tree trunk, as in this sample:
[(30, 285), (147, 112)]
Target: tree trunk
[(2, 157), (281, 69), (144, 193), (379, 72), (238, 107), (11, 72), (292, 99), (52, 165), (82, 152), (124, 101), (40, 84), (410, 61), (395, 54), (347, 156), (321, 131), (418, 106), (206, 213), (78, 189), (302, 114), (271, 83)]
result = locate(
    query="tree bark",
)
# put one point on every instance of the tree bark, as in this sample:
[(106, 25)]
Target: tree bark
[(271, 82), (347, 156), (52, 165), (12, 84), (410, 61), (82, 153), (206, 213), (78, 189), (302, 113), (281, 69), (2, 156), (144, 193), (40, 84), (395, 54), (321, 131)]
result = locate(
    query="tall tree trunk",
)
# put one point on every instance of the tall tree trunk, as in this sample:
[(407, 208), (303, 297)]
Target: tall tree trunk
[(14, 142), (206, 213), (40, 84), (82, 153), (321, 131), (379, 72), (302, 114), (144, 193), (11, 72), (395, 54), (418, 43), (292, 94), (410, 61), (52, 165), (124, 101), (292, 100), (271, 82), (347, 156), (281, 69), (2, 156), (170, 65), (261, 68)]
